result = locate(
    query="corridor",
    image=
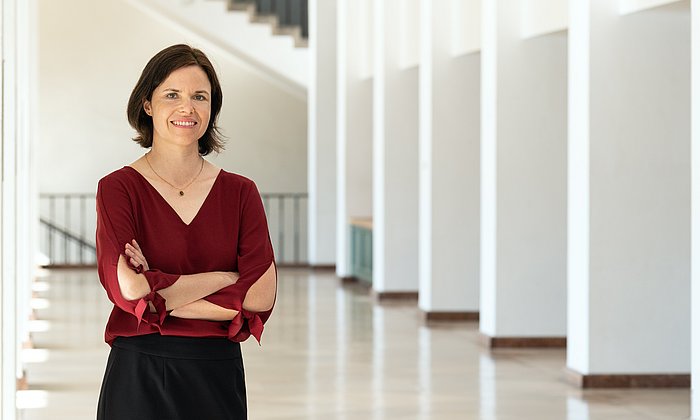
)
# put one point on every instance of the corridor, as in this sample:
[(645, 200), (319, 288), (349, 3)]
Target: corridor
[(330, 352)]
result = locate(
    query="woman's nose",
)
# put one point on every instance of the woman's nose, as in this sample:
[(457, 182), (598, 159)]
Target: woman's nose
[(187, 107)]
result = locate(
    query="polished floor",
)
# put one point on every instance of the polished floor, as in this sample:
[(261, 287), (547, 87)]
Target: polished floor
[(329, 352)]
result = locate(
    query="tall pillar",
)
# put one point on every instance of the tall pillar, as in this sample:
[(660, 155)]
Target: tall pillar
[(395, 154), (18, 192), (354, 122), (8, 291), (322, 132), (628, 203), (695, 214), (449, 159), (523, 149), (16, 247)]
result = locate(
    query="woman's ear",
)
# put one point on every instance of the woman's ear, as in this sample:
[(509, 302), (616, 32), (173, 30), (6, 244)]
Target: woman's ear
[(147, 107)]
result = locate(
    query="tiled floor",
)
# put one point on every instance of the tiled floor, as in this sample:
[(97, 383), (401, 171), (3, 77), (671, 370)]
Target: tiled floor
[(329, 353)]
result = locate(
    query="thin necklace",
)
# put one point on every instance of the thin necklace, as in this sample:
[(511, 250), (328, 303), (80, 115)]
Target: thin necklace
[(182, 190)]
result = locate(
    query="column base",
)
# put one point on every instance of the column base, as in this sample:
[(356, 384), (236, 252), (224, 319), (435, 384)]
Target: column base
[(322, 267), (522, 342), (70, 266), (395, 296), (627, 381), (348, 280), (450, 316)]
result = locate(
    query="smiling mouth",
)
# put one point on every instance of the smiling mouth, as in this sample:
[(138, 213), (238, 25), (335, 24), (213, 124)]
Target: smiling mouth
[(185, 124)]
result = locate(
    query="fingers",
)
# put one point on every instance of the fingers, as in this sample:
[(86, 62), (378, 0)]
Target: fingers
[(135, 255), (136, 252), (137, 246), (134, 258)]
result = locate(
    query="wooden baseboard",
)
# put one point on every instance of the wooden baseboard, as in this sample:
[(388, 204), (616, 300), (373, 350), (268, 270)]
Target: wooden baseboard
[(69, 266), (522, 342), (291, 265), (322, 267), (395, 296), (349, 280), (450, 316), (627, 381)]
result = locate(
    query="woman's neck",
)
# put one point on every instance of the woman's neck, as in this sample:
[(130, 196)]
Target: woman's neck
[(177, 166)]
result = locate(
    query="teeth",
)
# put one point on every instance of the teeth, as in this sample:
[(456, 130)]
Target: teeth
[(184, 123)]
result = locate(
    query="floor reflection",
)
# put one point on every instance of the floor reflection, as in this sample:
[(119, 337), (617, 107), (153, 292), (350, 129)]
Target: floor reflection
[(330, 352)]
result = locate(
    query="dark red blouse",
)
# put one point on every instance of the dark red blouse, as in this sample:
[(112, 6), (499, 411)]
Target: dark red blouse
[(229, 233)]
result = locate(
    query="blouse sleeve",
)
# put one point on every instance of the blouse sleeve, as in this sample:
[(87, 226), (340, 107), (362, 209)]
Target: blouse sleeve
[(115, 228), (255, 255)]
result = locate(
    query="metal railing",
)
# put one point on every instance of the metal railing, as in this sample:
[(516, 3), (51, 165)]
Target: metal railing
[(67, 228), (286, 218), (68, 222)]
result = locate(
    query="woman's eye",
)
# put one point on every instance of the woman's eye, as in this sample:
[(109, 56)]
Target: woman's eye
[(200, 97), (171, 95)]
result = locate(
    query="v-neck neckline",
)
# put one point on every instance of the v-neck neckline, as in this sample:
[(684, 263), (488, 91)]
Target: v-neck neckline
[(175, 213)]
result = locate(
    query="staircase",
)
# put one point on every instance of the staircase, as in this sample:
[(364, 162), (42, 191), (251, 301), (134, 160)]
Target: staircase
[(269, 36), (286, 17)]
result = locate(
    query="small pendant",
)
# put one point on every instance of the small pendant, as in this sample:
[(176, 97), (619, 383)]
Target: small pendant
[(182, 193)]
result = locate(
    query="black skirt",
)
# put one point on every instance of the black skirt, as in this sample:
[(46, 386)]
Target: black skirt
[(154, 377)]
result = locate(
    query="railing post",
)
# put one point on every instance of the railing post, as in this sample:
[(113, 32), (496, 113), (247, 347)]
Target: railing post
[(52, 216), (66, 218), (82, 227), (281, 225), (296, 228)]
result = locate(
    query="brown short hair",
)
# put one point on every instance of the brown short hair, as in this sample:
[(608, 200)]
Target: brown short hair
[(156, 71)]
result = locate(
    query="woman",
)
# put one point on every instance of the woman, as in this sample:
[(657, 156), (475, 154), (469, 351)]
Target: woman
[(184, 254)]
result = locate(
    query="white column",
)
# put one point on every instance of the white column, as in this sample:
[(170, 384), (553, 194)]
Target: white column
[(395, 154), (322, 132), (8, 200), (27, 195), (695, 213), (449, 158), (523, 231), (629, 210), (17, 245), (354, 122)]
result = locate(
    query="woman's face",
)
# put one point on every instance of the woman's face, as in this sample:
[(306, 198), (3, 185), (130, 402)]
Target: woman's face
[(181, 107)]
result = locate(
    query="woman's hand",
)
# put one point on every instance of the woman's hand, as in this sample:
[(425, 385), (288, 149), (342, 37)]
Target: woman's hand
[(136, 257)]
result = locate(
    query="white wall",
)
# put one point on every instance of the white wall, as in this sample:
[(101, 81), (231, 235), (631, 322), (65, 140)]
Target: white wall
[(524, 192), (465, 27), (632, 6), (322, 131), (354, 122), (449, 167), (540, 17), (395, 150), (629, 292), (640, 208), (91, 55)]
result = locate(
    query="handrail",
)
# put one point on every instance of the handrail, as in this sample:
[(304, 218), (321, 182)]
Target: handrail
[(69, 235)]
